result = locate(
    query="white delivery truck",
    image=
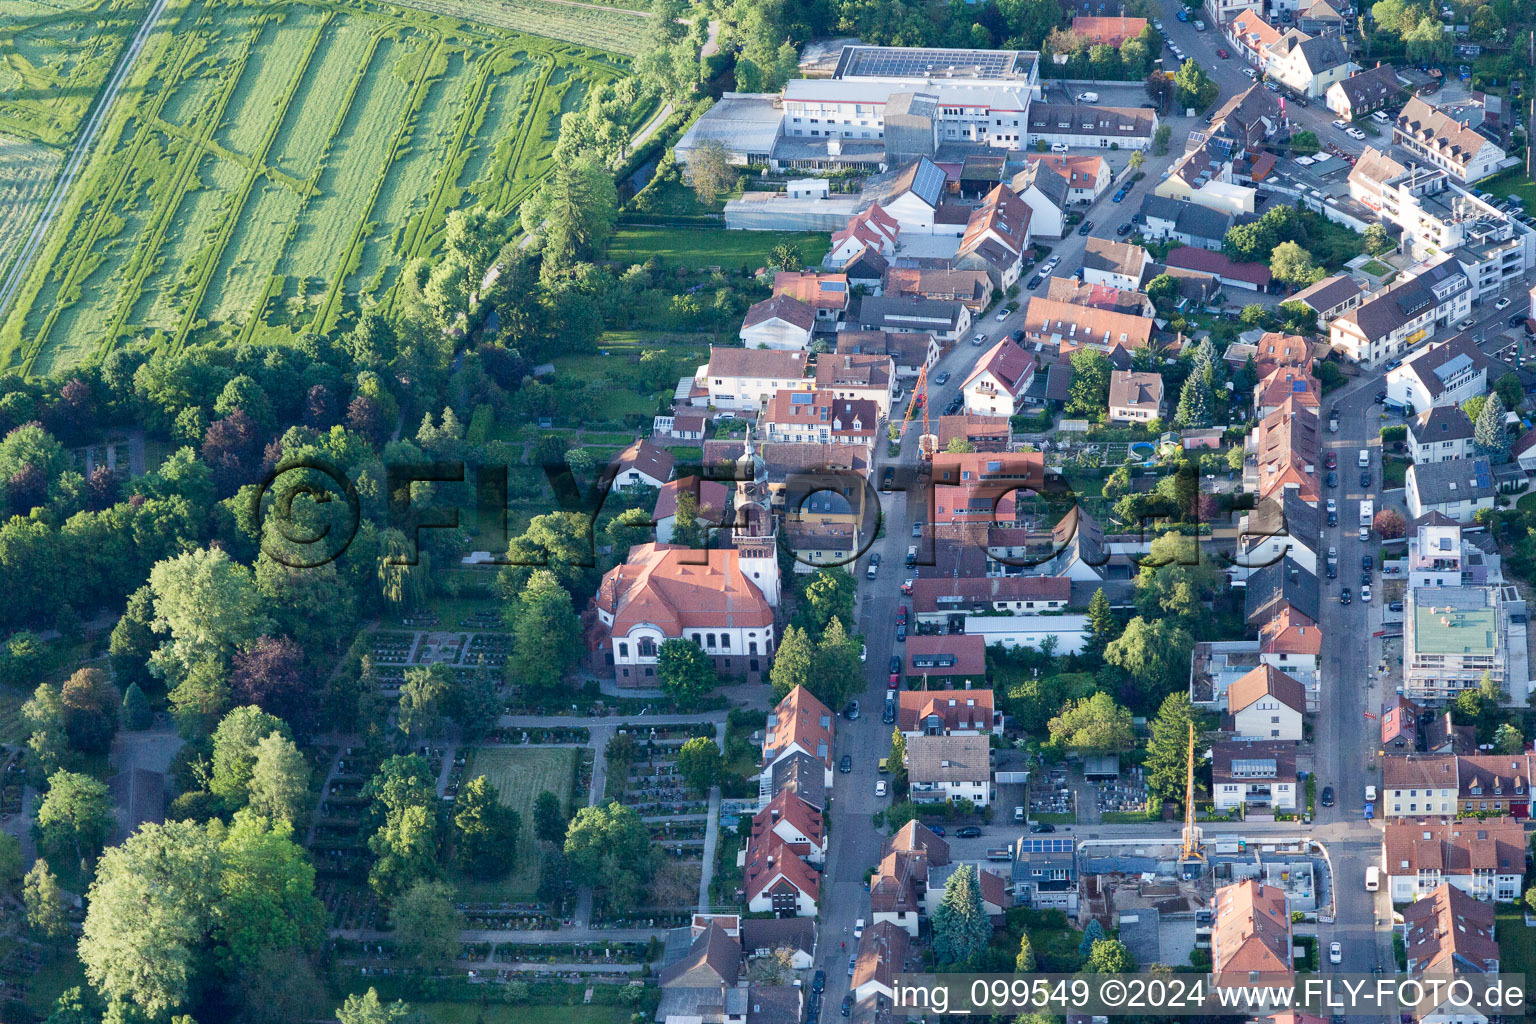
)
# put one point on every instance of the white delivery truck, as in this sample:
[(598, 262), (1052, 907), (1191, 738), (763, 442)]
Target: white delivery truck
[(1367, 511)]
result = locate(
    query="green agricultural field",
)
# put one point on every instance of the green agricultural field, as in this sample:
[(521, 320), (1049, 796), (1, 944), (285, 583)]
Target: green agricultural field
[(712, 247), (26, 172), (519, 775), (271, 167), (55, 55)]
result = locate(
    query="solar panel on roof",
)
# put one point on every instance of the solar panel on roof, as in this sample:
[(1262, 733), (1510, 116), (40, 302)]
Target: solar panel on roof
[(1483, 477), (1298, 386), (801, 398)]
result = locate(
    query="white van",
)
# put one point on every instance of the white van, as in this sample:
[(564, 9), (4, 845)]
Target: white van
[(1372, 878), (1088, 97), (1380, 117), (1370, 794), (1365, 458)]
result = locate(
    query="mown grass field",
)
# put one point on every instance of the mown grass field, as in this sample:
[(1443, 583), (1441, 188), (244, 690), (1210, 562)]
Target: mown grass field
[(711, 247), (519, 775), (26, 172), (55, 55), (270, 168)]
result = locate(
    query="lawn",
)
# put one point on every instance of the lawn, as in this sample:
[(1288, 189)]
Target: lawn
[(270, 168), (1517, 944), (1509, 183), (712, 247), (492, 1013), (519, 775)]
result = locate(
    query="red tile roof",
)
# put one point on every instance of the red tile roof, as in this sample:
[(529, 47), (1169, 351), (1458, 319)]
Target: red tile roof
[(1047, 319), (644, 457), (1193, 257), (782, 307), (956, 709), (819, 291), (713, 498), (1290, 632), (1252, 932), (776, 364), (947, 655), (842, 417), (677, 588), (1492, 845), (1266, 681), (799, 720), (789, 808), (773, 867), (1008, 363), (1450, 931)]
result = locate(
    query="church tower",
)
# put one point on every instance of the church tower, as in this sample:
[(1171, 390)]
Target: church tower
[(754, 535)]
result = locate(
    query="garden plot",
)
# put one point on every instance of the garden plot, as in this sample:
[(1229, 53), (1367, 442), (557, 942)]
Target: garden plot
[(269, 168)]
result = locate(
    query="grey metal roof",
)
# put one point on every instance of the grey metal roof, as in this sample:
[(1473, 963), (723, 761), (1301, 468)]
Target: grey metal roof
[(1202, 222), (1329, 292)]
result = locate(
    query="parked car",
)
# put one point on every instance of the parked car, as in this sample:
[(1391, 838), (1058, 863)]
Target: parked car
[(852, 962), (846, 764), (819, 981), (1331, 460), (1183, 14), (1034, 282), (1004, 314), (1365, 584), (1333, 569), (942, 378), (1123, 230), (1365, 593), (879, 787), (1365, 478), (1395, 606), (863, 652), (895, 663), (1367, 563), (1335, 953), (1333, 519), (901, 633), (1344, 596), (1085, 227), (1017, 336), (1042, 827), (1327, 796), (847, 1007), (1467, 324), (968, 832), (1059, 147), (1251, 73), (1381, 396), (1223, 54), (874, 567), (1332, 481), (980, 339), (1341, 125), (937, 830), (1119, 195), (853, 711), (889, 714)]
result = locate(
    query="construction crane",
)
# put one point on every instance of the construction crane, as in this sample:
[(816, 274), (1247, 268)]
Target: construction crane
[(1191, 831), (926, 443)]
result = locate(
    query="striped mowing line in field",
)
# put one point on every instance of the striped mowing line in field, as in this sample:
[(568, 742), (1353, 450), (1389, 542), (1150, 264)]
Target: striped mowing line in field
[(332, 301), (74, 277), (201, 146), (258, 159)]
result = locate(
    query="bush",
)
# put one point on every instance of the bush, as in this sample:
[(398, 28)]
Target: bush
[(1394, 434)]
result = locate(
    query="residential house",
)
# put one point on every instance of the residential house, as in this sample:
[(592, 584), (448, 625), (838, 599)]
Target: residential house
[(1287, 384), (1448, 936), (683, 425), (643, 464), (900, 881), (796, 936), (711, 500), (1099, 296), (1320, 18), (995, 889), (796, 823), (1205, 166), (954, 602), (1088, 177), (1413, 785), (978, 487), (1440, 434), (1456, 489), (947, 663), (1242, 126), (1286, 449), (778, 881), (973, 288), (983, 433), (1251, 938), (1258, 775), (1109, 31), (913, 195), (799, 724), (866, 269), (825, 293), (1438, 556), (1254, 277), (948, 768), (1117, 264), (945, 321), (1251, 36), (858, 377), (1045, 872), (996, 386), (746, 378), (1484, 858), (1375, 177), (1447, 373), (911, 351), (996, 234), (770, 1004), (799, 773), (1189, 224), (1310, 65), (944, 712), (1267, 704), (1395, 319), (1273, 587), (1443, 736), (801, 417), (781, 322), (1291, 641), (1071, 327), (882, 957), (870, 229), (1331, 297), (1046, 192), (1219, 12), (1495, 783), (703, 985), (1089, 127), (1365, 92), (1400, 719), (1452, 635), (1442, 141), (1282, 526), (1135, 397)]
